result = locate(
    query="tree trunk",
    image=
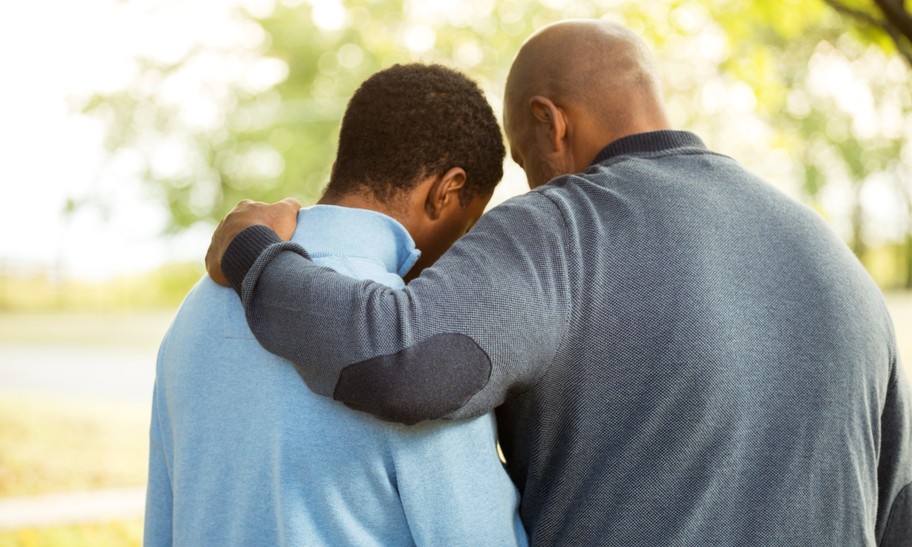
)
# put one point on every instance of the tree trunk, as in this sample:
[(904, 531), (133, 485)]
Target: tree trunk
[(858, 245), (907, 255), (896, 21)]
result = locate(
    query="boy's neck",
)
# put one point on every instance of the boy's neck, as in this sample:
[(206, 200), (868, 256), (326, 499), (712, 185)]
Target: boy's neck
[(359, 201)]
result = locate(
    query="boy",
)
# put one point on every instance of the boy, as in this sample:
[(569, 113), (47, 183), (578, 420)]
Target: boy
[(241, 455)]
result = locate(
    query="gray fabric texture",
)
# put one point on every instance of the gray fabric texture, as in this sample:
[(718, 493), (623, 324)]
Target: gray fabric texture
[(682, 354), (453, 361)]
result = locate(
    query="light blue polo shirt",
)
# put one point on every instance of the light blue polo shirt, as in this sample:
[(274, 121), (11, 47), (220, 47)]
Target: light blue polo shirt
[(242, 453)]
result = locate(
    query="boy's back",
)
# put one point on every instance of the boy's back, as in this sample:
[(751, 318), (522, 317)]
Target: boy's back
[(241, 454)]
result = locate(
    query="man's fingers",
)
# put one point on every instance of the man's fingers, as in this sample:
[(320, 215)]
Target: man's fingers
[(285, 217), (281, 217), (293, 203), (214, 268)]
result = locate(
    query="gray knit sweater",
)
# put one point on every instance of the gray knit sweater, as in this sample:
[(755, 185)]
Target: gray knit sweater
[(678, 354)]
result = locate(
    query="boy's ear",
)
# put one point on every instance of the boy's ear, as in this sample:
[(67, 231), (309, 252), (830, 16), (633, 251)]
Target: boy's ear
[(550, 119), (444, 192)]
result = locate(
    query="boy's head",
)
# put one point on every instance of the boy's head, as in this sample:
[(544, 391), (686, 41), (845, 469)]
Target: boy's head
[(420, 143)]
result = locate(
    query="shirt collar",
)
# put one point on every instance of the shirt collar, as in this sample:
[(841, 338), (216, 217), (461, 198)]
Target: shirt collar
[(646, 143), (330, 230)]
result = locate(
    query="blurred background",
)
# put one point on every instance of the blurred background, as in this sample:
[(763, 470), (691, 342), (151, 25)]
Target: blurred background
[(128, 128)]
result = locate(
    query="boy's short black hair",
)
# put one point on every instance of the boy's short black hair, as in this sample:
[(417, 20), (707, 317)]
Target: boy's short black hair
[(412, 121)]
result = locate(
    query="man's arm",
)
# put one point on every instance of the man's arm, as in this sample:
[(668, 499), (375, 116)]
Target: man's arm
[(281, 217), (894, 526), (486, 319)]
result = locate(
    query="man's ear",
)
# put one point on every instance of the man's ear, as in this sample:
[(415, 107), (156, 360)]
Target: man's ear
[(549, 118), (444, 192)]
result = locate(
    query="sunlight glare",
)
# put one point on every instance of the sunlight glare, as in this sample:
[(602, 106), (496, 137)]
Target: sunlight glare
[(420, 38), (328, 14)]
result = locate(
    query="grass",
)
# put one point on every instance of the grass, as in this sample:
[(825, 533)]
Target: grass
[(103, 534), (60, 444), (45, 289), (135, 329), (54, 446), (51, 445)]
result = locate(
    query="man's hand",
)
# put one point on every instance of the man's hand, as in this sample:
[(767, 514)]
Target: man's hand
[(281, 217)]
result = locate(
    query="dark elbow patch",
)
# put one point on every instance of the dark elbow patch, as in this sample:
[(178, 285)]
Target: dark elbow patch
[(421, 382)]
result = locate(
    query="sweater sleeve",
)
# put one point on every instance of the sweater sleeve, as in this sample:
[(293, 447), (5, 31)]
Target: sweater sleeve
[(453, 487), (157, 530), (894, 470), (487, 319)]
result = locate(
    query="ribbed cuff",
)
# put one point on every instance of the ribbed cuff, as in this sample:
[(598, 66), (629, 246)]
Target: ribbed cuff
[(243, 252)]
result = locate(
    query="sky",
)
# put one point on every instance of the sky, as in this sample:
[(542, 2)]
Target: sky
[(54, 52)]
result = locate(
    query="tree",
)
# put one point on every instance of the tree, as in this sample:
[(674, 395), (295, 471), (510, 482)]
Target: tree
[(889, 16), (746, 76)]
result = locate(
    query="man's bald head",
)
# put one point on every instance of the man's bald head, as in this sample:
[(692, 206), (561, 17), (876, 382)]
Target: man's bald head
[(581, 60), (599, 74)]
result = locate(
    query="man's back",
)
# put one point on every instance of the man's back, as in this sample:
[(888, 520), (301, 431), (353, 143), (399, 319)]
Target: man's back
[(684, 355), (744, 363), (242, 455)]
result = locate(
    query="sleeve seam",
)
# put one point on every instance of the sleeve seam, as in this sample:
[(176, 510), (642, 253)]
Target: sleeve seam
[(568, 304), (893, 347)]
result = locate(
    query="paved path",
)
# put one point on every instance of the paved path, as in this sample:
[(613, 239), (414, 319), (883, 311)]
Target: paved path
[(117, 374), (76, 372), (72, 508)]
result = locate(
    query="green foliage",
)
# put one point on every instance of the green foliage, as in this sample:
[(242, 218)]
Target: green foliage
[(294, 124), (106, 534), (788, 62), (162, 288)]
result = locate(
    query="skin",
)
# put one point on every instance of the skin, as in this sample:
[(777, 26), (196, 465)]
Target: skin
[(574, 88), (281, 216), (558, 114), (432, 213)]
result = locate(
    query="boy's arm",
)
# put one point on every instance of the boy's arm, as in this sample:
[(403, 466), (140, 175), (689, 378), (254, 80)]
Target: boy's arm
[(486, 319), (157, 529), (453, 487)]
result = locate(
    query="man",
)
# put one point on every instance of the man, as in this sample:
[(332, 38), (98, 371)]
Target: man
[(684, 355), (242, 454)]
